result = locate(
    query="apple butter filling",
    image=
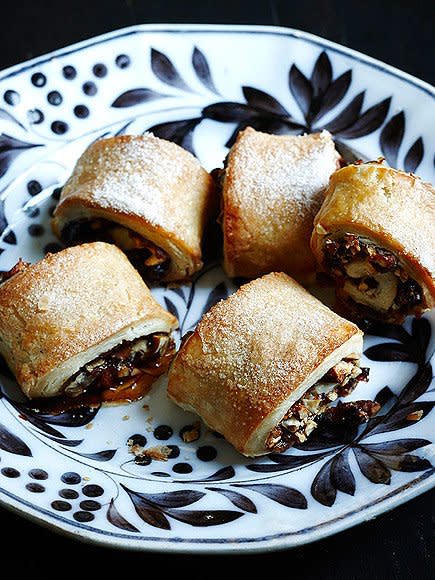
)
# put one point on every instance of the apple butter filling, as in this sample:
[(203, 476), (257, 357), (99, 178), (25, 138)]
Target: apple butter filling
[(372, 277), (123, 374), (300, 420), (151, 261)]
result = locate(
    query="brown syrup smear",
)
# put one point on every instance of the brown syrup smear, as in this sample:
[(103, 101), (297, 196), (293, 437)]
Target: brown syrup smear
[(133, 389)]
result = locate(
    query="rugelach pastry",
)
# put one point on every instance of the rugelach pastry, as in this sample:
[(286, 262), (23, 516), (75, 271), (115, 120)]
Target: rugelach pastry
[(262, 364), (375, 235), (82, 323), (147, 195), (272, 187)]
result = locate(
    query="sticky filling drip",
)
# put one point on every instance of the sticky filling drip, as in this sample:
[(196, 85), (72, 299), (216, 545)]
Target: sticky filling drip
[(371, 277), (123, 374), (151, 261), (300, 420)]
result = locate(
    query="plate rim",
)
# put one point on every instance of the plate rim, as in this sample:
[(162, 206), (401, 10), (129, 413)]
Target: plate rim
[(197, 27), (280, 541)]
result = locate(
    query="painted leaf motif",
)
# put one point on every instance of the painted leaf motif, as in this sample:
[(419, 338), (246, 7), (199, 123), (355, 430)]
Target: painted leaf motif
[(228, 112), (237, 499), (10, 238), (334, 94), (322, 73), (179, 132), (342, 477), (116, 519), (390, 351), (368, 122), (407, 463), (285, 462), (301, 89), (372, 468), (33, 419), (172, 499), (149, 514), (384, 396), (404, 417), (396, 447), (74, 418), (67, 442), (391, 138), (8, 117), (200, 65), (417, 385), (164, 70), (262, 100), (136, 97), (421, 333), (221, 474), (387, 330), (220, 292), (180, 293), (10, 148), (170, 306), (322, 488), (13, 444), (282, 494), (414, 156), (105, 455), (349, 154), (265, 125), (348, 116), (204, 518), (328, 437)]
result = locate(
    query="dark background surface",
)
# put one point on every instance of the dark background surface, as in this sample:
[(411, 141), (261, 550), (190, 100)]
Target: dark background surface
[(399, 544)]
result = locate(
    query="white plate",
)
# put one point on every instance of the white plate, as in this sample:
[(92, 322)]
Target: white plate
[(196, 85)]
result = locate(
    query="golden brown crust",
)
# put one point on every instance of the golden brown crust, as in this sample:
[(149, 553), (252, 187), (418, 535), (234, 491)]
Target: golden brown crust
[(252, 353), (150, 185), (394, 209), (60, 310), (272, 190)]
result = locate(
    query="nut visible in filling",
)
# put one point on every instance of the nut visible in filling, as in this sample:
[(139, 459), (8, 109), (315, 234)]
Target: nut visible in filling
[(151, 261), (123, 374), (300, 420), (372, 277)]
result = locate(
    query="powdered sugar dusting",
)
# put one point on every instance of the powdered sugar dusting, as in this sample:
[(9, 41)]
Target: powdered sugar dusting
[(273, 168), (270, 333), (147, 177)]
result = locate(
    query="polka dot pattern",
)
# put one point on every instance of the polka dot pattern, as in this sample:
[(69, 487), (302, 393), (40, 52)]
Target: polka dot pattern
[(71, 478), (55, 98)]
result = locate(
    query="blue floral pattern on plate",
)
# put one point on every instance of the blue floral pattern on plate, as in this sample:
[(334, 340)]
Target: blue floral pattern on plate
[(198, 86)]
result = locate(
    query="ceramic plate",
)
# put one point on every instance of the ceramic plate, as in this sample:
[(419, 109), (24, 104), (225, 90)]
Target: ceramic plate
[(197, 86)]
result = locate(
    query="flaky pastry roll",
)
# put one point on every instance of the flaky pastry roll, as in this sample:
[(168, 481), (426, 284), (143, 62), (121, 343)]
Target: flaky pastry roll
[(375, 235), (147, 195), (262, 364), (82, 321), (272, 187)]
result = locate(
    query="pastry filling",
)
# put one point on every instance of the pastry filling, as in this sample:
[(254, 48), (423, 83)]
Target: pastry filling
[(123, 374), (151, 261), (372, 277), (300, 420)]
